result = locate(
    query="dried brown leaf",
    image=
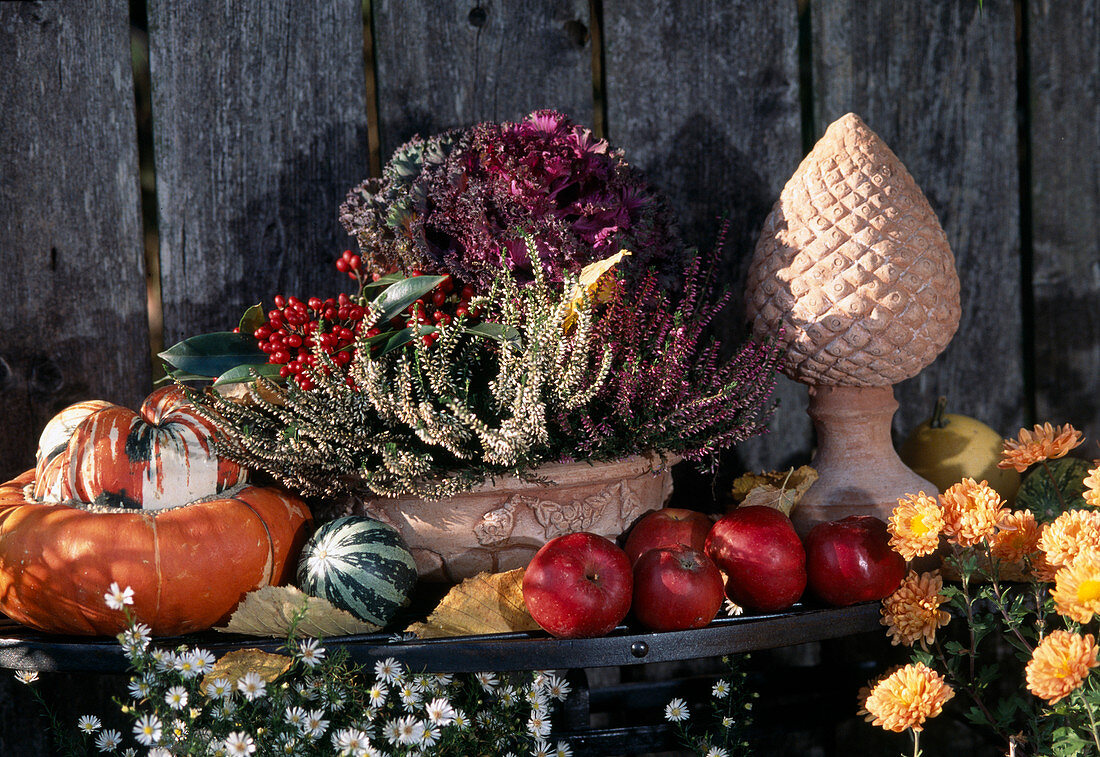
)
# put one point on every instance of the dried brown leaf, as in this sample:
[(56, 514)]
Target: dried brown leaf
[(270, 611), (486, 603), (236, 664), (778, 489)]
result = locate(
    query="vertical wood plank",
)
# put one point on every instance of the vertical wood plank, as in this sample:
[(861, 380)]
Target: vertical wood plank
[(446, 65), (73, 304), (1064, 52), (259, 131), (937, 81), (704, 96)]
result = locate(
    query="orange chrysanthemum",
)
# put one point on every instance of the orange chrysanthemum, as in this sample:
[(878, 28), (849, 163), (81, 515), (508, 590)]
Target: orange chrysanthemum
[(912, 613), (1059, 664), (1044, 443), (1076, 589), (971, 512), (1017, 536), (915, 526), (907, 698), (1092, 481), (1068, 535)]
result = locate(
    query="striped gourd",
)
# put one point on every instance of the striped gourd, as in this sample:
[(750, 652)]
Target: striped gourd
[(360, 565)]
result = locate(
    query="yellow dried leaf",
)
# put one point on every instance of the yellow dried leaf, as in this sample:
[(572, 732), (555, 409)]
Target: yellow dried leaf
[(270, 611), (486, 603), (778, 489), (234, 665), (595, 281)]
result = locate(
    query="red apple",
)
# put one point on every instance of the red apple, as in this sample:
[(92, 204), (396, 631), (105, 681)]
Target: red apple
[(578, 586), (667, 527), (676, 589), (759, 551), (850, 560)]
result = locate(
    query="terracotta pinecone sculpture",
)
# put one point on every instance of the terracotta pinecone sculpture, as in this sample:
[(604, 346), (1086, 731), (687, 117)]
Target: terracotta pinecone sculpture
[(853, 265), (854, 274)]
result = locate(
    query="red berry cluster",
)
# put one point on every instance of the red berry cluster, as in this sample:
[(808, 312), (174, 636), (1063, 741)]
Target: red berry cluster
[(429, 311), (294, 327)]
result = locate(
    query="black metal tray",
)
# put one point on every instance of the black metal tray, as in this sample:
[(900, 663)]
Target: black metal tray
[(24, 649)]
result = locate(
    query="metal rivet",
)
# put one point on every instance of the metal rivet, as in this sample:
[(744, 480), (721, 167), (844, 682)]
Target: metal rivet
[(639, 649), (478, 17)]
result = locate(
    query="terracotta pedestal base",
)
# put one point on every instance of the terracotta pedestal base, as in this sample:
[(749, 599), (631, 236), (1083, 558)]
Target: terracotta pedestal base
[(859, 471)]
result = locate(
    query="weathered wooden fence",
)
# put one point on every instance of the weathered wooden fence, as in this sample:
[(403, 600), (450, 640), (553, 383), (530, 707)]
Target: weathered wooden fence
[(264, 114)]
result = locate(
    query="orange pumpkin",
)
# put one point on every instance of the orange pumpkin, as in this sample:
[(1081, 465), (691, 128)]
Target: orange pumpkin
[(189, 563)]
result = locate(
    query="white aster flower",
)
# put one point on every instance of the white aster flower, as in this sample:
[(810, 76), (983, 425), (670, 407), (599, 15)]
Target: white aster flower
[(139, 688), (159, 751), (178, 729), (351, 741), (538, 725), (108, 741), (315, 725), (733, 609), (391, 732), (147, 730), (239, 744), (116, 598), (202, 661), (184, 664), (410, 697), (443, 680), (721, 689), (717, 751), (219, 688), (460, 721), (377, 694), (163, 659), (388, 670), (310, 652), (176, 697), (89, 724), (727, 722), (488, 681), (542, 749), (410, 730), (252, 685), (26, 676), (557, 687), (129, 752), (563, 750), (677, 710), (440, 711), (295, 716), (430, 736), (507, 695)]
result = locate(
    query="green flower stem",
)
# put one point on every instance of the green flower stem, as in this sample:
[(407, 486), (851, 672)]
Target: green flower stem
[(1054, 485), (1092, 718), (1010, 623), (972, 651), (971, 691), (916, 742)]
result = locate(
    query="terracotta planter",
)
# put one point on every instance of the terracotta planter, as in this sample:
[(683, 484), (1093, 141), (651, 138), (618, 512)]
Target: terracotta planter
[(499, 526)]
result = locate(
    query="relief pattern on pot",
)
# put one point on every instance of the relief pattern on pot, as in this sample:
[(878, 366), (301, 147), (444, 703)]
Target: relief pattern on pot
[(558, 518), (497, 525), (630, 503)]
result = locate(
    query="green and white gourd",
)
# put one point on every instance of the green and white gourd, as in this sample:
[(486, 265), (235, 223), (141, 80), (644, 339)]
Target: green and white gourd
[(360, 565)]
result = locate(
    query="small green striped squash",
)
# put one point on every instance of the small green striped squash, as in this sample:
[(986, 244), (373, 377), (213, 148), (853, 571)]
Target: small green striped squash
[(360, 565)]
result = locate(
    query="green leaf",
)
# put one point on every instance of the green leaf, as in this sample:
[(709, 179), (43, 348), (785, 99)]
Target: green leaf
[(1039, 493), (211, 355), (403, 337), (252, 319), (498, 331), (400, 295), (248, 372)]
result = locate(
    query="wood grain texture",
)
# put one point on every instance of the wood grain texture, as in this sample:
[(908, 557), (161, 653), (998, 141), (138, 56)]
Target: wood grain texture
[(259, 131), (1064, 51), (937, 81), (74, 315), (444, 65), (704, 96)]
